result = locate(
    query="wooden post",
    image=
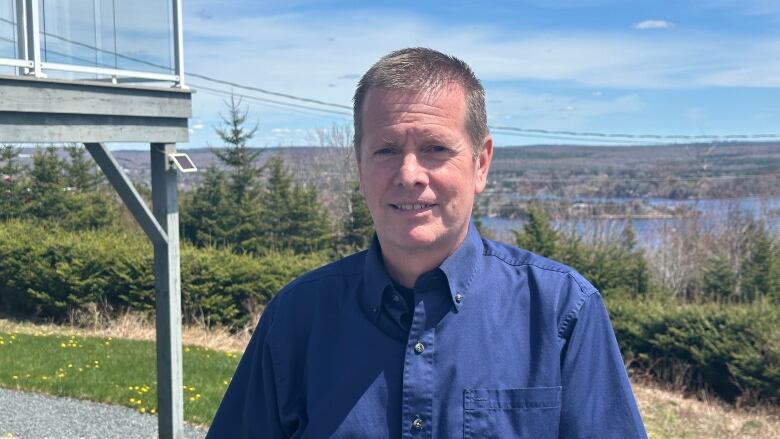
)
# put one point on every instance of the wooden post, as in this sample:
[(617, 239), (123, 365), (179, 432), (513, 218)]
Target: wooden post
[(165, 206)]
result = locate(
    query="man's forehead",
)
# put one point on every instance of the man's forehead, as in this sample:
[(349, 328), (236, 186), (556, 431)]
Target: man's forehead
[(410, 95)]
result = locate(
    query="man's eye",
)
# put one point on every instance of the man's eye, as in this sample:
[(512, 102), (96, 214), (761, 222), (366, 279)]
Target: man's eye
[(438, 148), (383, 151)]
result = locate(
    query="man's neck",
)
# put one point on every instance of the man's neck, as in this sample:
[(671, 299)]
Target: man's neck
[(405, 266)]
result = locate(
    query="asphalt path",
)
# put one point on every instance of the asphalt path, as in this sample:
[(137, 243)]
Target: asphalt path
[(35, 416)]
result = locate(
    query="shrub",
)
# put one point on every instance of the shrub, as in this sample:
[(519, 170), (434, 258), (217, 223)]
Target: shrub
[(732, 350), (48, 272)]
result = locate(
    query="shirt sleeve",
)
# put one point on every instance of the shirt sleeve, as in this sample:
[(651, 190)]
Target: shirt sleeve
[(597, 400), (249, 408)]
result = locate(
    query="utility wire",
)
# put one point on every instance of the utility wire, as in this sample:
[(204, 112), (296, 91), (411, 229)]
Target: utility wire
[(524, 132), (269, 101)]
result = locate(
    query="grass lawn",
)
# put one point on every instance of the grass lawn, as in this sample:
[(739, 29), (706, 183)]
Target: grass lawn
[(116, 371), (98, 366)]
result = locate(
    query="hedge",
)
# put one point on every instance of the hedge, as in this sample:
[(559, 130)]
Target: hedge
[(48, 272), (732, 350)]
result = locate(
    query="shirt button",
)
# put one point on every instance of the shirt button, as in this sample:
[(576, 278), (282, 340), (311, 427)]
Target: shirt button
[(396, 298), (417, 424), (419, 348), (458, 298)]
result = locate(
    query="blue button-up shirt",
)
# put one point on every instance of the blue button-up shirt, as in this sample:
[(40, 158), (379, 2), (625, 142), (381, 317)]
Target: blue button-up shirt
[(497, 342)]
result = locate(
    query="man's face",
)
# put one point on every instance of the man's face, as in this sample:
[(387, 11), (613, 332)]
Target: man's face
[(417, 170)]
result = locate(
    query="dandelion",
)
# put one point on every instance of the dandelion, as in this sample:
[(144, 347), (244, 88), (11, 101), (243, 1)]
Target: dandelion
[(225, 382), (70, 365), (142, 410), (186, 349), (132, 400), (192, 398), (153, 411), (15, 377), (45, 378)]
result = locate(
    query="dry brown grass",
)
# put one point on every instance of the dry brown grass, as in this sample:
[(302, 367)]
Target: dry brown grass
[(135, 326), (666, 413)]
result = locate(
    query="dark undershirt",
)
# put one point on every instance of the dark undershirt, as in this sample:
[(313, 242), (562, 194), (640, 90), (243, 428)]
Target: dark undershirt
[(408, 296)]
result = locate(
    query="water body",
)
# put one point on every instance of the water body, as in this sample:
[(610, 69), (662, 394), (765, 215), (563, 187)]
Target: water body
[(714, 214)]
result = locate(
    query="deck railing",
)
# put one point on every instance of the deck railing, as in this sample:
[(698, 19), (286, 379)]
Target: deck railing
[(116, 40)]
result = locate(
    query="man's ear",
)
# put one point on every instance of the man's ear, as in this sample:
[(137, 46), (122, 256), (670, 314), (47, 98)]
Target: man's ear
[(483, 164)]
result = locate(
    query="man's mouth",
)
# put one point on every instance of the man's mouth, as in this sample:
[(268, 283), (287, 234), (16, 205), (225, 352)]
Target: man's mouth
[(412, 206)]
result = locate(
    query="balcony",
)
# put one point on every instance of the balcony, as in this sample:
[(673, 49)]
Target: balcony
[(104, 40), (92, 71)]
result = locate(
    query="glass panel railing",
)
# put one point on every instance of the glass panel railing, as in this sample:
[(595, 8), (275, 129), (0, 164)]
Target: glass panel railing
[(8, 29), (119, 34), (144, 35)]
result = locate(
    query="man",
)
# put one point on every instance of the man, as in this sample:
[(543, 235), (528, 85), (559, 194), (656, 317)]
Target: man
[(433, 332)]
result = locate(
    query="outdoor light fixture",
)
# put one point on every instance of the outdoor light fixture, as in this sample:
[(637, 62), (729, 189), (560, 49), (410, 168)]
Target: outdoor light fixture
[(183, 162)]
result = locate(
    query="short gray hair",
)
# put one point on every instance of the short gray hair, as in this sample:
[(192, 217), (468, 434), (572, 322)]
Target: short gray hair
[(424, 70)]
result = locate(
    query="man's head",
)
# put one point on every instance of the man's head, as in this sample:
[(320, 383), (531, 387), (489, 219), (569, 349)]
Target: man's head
[(425, 71), (419, 164)]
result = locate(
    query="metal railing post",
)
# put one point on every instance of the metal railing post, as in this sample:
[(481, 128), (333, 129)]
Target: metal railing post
[(33, 37), (21, 35), (178, 43)]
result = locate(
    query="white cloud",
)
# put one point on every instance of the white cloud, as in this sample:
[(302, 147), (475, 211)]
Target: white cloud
[(301, 54), (653, 24)]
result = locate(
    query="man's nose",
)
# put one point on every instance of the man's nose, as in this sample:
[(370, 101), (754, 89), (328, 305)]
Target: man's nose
[(411, 173)]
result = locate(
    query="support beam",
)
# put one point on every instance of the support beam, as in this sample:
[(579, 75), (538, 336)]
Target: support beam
[(124, 187), (165, 204)]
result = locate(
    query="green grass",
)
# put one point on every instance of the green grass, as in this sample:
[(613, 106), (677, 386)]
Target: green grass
[(111, 370)]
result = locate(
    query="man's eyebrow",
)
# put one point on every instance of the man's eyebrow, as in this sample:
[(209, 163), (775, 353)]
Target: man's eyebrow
[(388, 142)]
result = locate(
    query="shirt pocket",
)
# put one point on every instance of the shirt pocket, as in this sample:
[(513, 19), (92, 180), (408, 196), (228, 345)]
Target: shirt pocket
[(511, 413)]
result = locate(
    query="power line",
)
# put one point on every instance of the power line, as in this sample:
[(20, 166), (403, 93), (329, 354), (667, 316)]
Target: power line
[(269, 101), (639, 136), (505, 130)]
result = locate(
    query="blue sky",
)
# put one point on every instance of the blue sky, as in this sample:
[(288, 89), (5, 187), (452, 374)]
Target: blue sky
[(709, 67)]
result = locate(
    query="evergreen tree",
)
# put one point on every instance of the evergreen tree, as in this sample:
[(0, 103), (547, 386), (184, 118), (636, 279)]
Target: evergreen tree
[(537, 235), (80, 174), (760, 271), (236, 155), (207, 213), (292, 217), (225, 209), (51, 198), (11, 182), (47, 188), (358, 226), (719, 278)]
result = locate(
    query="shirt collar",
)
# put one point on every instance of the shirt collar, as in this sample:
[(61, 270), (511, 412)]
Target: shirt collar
[(459, 269), (375, 279), (462, 266)]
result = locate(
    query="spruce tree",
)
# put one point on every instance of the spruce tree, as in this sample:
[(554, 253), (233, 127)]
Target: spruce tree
[(236, 155), (47, 188), (207, 216), (292, 217), (11, 182), (358, 226), (537, 235), (760, 271), (225, 209)]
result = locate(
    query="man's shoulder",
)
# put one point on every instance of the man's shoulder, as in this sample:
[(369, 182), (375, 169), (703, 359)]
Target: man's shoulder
[(520, 258), (344, 268)]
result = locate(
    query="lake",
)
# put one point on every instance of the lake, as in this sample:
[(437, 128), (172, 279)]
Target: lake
[(713, 214)]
